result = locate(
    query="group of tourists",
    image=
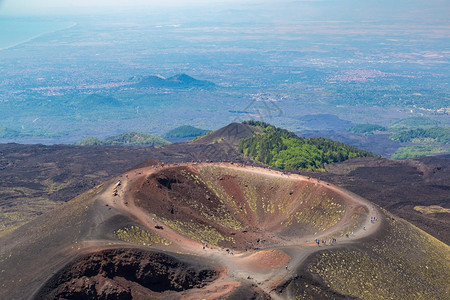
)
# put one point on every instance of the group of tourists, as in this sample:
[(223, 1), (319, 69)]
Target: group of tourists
[(331, 242)]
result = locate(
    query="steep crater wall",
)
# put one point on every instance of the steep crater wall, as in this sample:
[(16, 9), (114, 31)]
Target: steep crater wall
[(241, 207)]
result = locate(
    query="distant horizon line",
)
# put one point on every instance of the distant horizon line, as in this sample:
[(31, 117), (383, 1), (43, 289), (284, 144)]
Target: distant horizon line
[(36, 36)]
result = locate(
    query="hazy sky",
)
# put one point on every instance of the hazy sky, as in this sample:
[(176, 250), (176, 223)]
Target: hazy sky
[(55, 6), (425, 11)]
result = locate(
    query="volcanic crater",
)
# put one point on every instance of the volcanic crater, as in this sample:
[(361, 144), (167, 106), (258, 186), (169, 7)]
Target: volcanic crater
[(243, 208), (243, 221)]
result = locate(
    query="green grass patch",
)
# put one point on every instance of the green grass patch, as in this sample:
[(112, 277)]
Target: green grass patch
[(418, 151)]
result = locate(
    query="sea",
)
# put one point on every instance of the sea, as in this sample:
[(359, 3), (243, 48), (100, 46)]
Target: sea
[(17, 30)]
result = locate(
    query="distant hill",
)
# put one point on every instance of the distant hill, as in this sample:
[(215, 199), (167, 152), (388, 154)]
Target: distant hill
[(177, 81), (283, 149), (185, 131), (131, 138)]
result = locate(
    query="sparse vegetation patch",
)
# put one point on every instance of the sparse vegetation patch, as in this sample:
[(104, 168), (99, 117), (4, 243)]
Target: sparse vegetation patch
[(432, 209), (406, 263), (199, 232), (136, 235)]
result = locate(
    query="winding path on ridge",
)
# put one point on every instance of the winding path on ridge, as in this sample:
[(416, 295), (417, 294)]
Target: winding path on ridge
[(267, 266)]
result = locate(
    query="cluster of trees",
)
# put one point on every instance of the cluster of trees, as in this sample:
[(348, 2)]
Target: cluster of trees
[(366, 128), (283, 149), (437, 134), (131, 138)]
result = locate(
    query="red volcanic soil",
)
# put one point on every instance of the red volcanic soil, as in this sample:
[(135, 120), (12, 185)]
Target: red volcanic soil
[(266, 259)]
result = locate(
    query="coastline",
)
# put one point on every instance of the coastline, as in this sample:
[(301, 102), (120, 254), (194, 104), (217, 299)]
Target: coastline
[(37, 36)]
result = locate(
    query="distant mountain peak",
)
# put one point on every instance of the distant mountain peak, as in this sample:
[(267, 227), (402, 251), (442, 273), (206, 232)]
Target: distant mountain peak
[(177, 81), (231, 134), (182, 77)]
